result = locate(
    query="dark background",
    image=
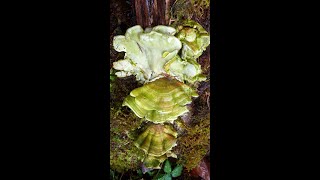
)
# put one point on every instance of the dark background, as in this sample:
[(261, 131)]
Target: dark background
[(57, 90)]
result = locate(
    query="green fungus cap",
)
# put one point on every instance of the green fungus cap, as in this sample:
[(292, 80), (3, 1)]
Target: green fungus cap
[(162, 100), (156, 141)]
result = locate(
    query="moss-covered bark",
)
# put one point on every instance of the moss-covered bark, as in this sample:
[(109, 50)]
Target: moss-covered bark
[(194, 145), (124, 155)]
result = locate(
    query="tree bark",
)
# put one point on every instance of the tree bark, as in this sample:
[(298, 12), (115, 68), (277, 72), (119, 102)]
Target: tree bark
[(151, 13)]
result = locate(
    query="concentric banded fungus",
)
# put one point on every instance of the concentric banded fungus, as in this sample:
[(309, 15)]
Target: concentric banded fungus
[(160, 101), (156, 141), (154, 162)]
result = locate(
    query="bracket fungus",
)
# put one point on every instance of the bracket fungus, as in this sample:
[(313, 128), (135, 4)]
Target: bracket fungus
[(159, 101), (188, 70), (146, 51), (157, 141), (151, 53), (195, 39)]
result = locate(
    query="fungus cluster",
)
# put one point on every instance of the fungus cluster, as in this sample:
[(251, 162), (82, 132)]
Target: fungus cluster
[(163, 59), (151, 53)]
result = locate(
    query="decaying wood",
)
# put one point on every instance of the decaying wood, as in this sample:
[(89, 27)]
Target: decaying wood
[(151, 13)]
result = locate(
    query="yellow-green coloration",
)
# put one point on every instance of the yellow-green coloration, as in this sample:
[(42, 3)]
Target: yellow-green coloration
[(195, 39), (195, 144), (112, 78), (146, 51), (189, 8), (156, 141), (152, 53), (124, 155), (162, 100), (154, 161), (188, 70), (199, 6)]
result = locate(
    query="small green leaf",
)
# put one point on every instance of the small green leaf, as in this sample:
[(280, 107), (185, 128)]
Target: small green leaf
[(177, 171), (167, 167), (111, 174), (165, 177), (158, 176)]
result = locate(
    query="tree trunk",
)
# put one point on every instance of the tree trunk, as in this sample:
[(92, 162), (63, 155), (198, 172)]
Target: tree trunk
[(151, 13)]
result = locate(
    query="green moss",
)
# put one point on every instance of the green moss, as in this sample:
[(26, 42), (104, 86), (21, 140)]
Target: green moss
[(193, 146), (112, 78), (187, 9), (121, 88), (124, 155)]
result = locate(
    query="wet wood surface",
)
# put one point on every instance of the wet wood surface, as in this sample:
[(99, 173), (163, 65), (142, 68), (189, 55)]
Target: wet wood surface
[(150, 13)]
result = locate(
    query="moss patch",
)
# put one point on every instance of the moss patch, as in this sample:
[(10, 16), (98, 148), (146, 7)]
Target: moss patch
[(194, 145), (189, 9), (124, 155)]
